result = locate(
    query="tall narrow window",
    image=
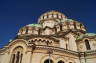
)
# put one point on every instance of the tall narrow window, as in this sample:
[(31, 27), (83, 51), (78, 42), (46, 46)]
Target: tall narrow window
[(21, 58), (39, 32), (55, 29), (13, 58), (75, 26), (66, 46), (80, 25), (87, 45), (61, 27), (27, 30), (18, 57)]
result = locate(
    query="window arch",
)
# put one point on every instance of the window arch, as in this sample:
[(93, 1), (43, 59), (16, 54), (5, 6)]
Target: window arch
[(87, 44), (48, 61), (17, 55), (61, 61)]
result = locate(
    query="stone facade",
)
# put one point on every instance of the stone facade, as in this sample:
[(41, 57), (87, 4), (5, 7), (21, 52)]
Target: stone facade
[(55, 39)]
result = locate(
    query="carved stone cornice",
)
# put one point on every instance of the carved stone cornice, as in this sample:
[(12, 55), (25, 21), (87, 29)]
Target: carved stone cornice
[(57, 49), (3, 50), (87, 53), (90, 53), (89, 37), (27, 37)]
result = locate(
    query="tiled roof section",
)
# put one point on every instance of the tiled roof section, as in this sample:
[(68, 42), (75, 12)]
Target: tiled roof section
[(34, 25), (90, 34), (86, 35), (10, 40), (70, 20)]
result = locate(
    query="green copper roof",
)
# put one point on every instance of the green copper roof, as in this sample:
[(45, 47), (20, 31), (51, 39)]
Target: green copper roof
[(63, 20), (86, 35), (10, 40), (58, 20), (32, 25), (90, 34), (80, 37), (70, 20)]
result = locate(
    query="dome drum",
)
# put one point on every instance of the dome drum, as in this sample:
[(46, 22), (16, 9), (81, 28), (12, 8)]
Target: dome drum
[(27, 30), (73, 25), (52, 15), (51, 23)]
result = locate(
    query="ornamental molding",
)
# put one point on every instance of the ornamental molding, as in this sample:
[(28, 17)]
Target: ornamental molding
[(12, 43), (17, 41), (29, 37), (87, 37), (57, 49)]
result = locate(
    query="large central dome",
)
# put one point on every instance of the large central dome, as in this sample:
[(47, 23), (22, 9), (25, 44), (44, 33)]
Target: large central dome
[(51, 15), (52, 23)]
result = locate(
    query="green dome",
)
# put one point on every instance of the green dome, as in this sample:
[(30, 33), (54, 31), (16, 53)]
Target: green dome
[(34, 25), (86, 35), (70, 20)]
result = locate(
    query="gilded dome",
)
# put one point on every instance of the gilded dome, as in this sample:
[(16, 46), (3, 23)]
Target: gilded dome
[(51, 15)]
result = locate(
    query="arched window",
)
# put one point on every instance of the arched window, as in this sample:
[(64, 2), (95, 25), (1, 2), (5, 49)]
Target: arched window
[(61, 61), (17, 55), (55, 29), (66, 46), (80, 25), (39, 32), (61, 27), (13, 58), (75, 25), (21, 58), (17, 58), (87, 44), (27, 30), (48, 61)]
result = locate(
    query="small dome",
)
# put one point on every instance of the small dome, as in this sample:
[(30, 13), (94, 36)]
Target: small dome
[(30, 29), (70, 24), (34, 25), (51, 15)]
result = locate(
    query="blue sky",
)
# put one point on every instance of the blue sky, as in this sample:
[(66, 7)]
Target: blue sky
[(15, 14)]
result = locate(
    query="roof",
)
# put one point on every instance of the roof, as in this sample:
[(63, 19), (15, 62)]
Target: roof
[(86, 35), (70, 20), (90, 34), (51, 15), (32, 25)]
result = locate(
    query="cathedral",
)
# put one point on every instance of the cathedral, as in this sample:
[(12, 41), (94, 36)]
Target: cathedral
[(54, 39)]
